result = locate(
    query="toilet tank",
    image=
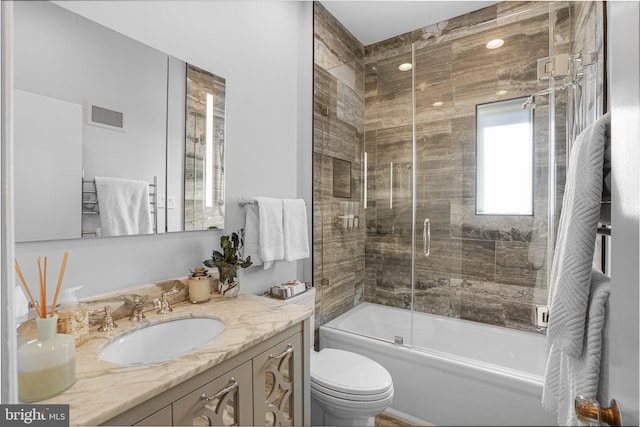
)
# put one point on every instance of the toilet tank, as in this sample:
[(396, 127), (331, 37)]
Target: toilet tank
[(306, 299)]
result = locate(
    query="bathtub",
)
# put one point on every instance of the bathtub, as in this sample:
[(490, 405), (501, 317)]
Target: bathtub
[(457, 373)]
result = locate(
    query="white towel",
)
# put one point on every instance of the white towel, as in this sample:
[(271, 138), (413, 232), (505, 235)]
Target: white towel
[(124, 206), (252, 235), (270, 237), (294, 218), (571, 268), (567, 376)]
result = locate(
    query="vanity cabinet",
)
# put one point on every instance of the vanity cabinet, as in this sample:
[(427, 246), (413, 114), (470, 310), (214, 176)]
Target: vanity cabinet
[(160, 418), (225, 401), (264, 385), (278, 382)]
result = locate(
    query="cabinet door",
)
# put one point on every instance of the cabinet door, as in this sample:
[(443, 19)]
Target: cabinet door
[(160, 418), (277, 384), (225, 401)]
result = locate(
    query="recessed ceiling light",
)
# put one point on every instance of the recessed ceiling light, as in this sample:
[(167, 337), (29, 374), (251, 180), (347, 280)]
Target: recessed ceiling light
[(405, 67), (438, 104), (502, 92), (495, 43)]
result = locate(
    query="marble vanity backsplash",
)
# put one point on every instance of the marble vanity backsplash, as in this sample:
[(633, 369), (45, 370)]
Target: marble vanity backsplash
[(123, 302)]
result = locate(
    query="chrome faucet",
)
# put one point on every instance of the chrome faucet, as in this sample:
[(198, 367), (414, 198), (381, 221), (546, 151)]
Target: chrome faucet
[(107, 323), (138, 309), (162, 306)]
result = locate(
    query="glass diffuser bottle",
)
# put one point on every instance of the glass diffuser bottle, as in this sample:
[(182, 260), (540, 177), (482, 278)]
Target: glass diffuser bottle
[(47, 364)]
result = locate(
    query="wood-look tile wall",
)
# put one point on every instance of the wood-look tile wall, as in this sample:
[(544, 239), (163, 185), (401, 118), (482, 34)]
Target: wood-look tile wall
[(490, 269), (338, 133)]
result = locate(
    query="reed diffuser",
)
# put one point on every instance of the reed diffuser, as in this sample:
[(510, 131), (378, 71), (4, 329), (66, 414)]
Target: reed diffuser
[(47, 364)]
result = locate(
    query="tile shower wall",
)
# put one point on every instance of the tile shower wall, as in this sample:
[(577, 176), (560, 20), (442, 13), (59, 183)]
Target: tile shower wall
[(485, 268), (338, 137), (490, 269)]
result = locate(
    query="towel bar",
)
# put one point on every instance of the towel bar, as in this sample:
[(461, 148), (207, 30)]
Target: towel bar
[(242, 202), (95, 208)]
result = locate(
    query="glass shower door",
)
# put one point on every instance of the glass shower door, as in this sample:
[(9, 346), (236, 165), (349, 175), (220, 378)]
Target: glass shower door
[(388, 200), (487, 257)]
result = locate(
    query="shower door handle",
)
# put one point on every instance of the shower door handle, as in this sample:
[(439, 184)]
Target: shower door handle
[(426, 236)]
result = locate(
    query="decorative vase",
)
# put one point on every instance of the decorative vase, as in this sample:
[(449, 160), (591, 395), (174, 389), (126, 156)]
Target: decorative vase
[(199, 289), (229, 288), (228, 285), (47, 364)]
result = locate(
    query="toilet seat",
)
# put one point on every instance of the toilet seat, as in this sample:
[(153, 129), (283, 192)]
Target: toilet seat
[(349, 376), (350, 407), (352, 397)]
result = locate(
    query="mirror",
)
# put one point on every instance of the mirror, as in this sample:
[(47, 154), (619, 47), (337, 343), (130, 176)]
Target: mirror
[(204, 157), (90, 102)]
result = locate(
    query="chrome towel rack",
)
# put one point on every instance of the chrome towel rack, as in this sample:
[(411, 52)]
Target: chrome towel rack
[(242, 202)]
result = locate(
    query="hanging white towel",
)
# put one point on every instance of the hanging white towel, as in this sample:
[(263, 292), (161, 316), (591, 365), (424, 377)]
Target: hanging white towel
[(296, 241), (124, 206), (567, 376), (270, 237), (571, 269), (252, 235)]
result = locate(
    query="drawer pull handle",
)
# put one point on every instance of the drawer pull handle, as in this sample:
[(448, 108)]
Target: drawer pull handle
[(283, 354), (232, 385)]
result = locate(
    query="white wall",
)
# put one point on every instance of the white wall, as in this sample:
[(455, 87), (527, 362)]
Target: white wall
[(262, 49), (8, 343), (624, 87)]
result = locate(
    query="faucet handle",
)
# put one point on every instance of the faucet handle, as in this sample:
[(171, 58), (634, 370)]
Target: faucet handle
[(107, 323), (162, 306), (138, 310)]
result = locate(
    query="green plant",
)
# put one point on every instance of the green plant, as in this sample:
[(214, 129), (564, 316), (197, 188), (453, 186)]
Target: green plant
[(229, 259)]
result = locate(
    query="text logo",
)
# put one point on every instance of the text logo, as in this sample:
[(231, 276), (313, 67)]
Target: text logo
[(34, 415)]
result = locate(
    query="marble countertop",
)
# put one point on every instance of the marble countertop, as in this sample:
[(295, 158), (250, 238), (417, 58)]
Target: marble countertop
[(103, 390)]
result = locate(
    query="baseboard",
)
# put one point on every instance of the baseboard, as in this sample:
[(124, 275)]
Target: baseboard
[(406, 418)]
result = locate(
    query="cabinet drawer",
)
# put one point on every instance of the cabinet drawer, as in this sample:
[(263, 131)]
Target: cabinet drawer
[(278, 382), (160, 418), (225, 401)]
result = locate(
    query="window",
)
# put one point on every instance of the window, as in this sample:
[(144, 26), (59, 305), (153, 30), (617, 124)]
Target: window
[(504, 158)]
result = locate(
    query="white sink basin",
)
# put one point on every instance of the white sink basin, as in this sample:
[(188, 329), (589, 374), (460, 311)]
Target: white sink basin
[(158, 342)]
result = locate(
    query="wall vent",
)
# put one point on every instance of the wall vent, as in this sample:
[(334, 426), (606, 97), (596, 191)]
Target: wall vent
[(106, 118)]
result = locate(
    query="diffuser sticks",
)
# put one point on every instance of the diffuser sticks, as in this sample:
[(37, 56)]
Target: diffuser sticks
[(41, 308)]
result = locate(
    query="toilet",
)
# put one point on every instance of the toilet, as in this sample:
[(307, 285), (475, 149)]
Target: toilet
[(347, 389)]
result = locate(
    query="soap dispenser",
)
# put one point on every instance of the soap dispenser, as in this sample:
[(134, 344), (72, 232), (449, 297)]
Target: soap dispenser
[(73, 317)]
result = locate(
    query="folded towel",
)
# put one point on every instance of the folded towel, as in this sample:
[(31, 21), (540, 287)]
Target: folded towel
[(294, 218), (567, 376), (124, 206), (270, 236), (571, 268)]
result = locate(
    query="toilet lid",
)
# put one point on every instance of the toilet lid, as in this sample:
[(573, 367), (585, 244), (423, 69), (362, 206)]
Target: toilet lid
[(347, 372), (323, 393)]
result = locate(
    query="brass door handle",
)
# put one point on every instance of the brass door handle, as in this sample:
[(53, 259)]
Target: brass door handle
[(589, 410)]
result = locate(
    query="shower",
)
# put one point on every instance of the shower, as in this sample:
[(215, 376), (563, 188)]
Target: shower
[(424, 145), (417, 129)]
